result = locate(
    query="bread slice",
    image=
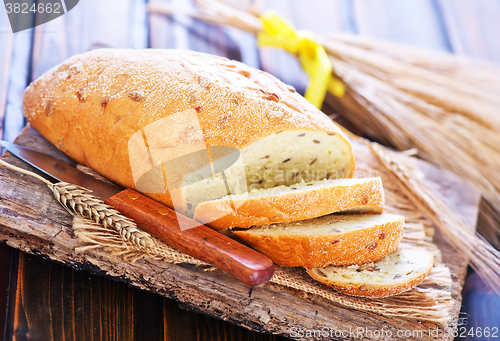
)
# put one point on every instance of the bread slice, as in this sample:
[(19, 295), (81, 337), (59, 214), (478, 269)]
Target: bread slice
[(332, 239), (395, 273), (281, 159), (292, 203)]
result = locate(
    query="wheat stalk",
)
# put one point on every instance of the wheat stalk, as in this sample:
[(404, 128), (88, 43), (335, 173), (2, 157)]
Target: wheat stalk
[(79, 201)]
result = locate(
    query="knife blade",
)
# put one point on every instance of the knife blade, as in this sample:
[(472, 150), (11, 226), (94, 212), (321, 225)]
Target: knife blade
[(201, 242)]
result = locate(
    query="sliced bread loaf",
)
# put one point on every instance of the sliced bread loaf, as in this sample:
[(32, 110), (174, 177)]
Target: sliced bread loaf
[(395, 273), (292, 203), (134, 115), (332, 239)]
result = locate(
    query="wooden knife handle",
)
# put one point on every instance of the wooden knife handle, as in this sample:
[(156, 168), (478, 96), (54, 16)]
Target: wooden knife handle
[(203, 243)]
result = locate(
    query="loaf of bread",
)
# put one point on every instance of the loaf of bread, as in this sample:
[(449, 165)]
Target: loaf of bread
[(333, 239), (301, 201), (134, 115), (391, 275)]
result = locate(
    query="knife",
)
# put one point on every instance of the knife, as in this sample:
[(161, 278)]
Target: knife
[(201, 242)]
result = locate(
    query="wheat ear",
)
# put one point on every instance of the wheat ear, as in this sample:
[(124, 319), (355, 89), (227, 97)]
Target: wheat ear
[(79, 201)]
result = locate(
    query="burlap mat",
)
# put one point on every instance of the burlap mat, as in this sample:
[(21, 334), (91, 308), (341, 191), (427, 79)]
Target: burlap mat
[(430, 301)]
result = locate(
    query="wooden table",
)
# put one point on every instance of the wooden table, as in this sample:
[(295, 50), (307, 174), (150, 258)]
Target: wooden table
[(38, 297)]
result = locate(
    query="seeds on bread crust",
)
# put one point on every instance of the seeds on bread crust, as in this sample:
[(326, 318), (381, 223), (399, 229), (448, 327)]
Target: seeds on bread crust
[(49, 109)]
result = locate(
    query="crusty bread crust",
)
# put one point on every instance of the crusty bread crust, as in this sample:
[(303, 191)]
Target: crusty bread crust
[(370, 289), (357, 246), (293, 206), (91, 105)]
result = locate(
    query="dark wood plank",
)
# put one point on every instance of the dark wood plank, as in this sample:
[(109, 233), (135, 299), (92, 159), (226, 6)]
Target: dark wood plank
[(182, 32), (245, 43), (160, 28), (113, 23), (349, 24), (4, 287), (473, 27), (203, 37), (54, 302), (149, 315), (6, 259), (188, 325), (281, 63), (321, 16)]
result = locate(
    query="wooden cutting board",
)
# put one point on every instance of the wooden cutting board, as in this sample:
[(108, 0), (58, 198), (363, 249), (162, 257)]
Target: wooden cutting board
[(32, 221)]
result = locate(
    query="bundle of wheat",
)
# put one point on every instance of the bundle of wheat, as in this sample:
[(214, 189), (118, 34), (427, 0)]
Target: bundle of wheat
[(443, 105), (447, 110)]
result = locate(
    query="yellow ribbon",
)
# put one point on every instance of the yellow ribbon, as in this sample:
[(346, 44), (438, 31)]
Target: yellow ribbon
[(312, 56)]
